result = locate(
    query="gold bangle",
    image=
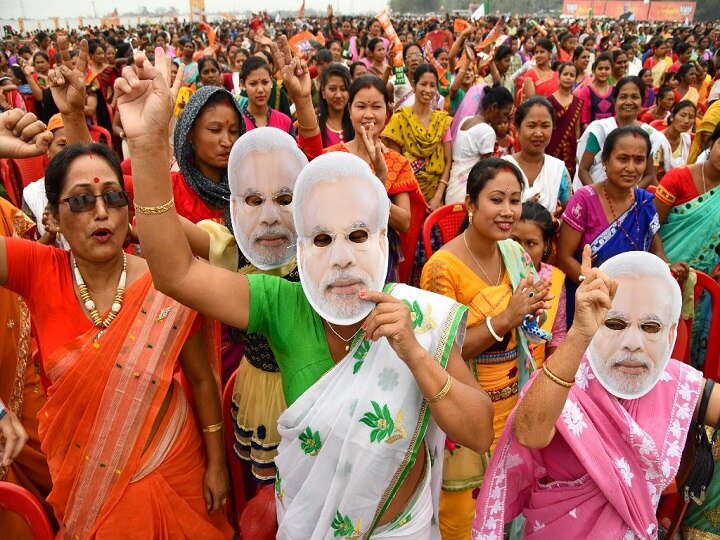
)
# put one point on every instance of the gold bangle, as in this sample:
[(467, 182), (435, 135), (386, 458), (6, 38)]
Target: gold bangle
[(305, 128), (155, 210), (554, 378), (213, 428), (443, 182), (442, 393)]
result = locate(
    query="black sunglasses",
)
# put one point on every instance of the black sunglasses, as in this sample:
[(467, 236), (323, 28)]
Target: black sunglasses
[(86, 202)]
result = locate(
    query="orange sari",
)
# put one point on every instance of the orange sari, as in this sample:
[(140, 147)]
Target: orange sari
[(106, 394), (20, 387)]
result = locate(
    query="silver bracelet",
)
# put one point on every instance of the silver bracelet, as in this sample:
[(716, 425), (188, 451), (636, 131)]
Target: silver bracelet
[(3, 410), (492, 330)]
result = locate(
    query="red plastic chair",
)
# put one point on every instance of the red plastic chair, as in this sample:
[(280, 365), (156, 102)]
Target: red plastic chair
[(97, 133), (448, 218), (705, 283), (28, 170), (238, 498), (19, 500)]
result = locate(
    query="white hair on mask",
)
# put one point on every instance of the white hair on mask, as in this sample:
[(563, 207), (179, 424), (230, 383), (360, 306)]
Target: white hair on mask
[(261, 140), (335, 167), (643, 265)]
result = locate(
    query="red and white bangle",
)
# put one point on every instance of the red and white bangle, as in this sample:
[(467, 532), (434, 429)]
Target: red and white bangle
[(3, 410)]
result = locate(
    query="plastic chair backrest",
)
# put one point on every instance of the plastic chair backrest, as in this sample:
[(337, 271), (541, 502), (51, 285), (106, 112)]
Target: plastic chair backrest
[(28, 170), (238, 497), (19, 500), (682, 343), (712, 351), (98, 132), (448, 218)]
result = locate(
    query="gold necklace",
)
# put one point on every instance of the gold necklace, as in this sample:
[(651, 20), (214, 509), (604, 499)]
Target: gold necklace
[(347, 341), (90, 304), (489, 281)]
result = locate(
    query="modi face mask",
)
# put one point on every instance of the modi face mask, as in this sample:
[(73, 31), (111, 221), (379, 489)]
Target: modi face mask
[(342, 218), (630, 351), (264, 164)]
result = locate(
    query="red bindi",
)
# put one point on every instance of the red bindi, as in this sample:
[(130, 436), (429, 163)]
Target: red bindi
[(96, 179)]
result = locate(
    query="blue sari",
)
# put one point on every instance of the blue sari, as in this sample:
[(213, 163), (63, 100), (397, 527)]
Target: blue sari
[(634, 230)]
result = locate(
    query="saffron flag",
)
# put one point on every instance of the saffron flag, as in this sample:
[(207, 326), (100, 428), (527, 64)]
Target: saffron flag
[(301, 11)]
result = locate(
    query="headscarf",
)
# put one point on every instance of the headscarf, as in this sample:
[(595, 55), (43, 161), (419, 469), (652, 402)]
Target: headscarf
[(214, 194)]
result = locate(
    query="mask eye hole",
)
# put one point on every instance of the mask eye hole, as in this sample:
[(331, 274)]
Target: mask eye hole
[(322, 240), (616, 324), (358, 237), (284, 200), (254, 200), (651, 327)]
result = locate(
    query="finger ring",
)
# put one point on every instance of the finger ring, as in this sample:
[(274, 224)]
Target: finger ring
[(581, 278)]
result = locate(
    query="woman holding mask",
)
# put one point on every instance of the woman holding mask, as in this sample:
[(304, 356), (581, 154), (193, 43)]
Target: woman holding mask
[(492, 275), (368, 104)]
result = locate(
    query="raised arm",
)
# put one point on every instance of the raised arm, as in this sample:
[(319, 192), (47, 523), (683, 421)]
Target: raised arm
[(67, 85), (540, 408), (145, 105)]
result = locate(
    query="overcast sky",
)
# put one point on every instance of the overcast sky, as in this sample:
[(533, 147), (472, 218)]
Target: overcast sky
[(32, 9)]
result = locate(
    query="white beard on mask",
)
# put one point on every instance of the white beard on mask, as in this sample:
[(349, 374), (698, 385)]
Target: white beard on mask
[(343, 310)]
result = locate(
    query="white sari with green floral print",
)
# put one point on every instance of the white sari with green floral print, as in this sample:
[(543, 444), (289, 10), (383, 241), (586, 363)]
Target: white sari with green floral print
[(350, 440)]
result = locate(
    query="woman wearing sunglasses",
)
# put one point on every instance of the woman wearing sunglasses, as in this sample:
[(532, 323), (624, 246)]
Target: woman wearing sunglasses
[(117, 427)]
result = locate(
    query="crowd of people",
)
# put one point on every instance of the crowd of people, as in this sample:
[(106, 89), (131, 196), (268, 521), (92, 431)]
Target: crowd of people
[(243, 202)]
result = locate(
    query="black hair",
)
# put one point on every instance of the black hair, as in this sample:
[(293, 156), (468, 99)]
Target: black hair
[(684, 104), (253, 63), (323, 56), (407, 46), (538, 214), (498, 96), (372, 44), (334, 70), (682, 48), (683, 70), (484, 171), (564, 66), (58, 167), (602, 57), (41, 54), (437, 52), (662, 92), (524, 108), (642, 72), (354, 66), (545, 43), (369, 81), (618, 133), (615, 54), (578, 52), (422, 69), (18, 72), (629, 79), (207, 60), (501, 52)]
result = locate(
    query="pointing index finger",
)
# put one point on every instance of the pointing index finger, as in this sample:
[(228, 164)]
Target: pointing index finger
[(586, 264)]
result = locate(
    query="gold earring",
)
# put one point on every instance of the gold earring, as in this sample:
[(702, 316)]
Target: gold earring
[(470, 216)]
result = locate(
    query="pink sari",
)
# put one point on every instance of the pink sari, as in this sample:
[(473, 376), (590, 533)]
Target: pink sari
[(609, 462)]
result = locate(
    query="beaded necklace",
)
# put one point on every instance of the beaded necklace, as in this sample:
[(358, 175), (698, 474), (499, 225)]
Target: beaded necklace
[(90, 304), (615, 216)]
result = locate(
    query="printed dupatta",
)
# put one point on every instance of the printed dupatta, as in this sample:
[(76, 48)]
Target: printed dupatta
[(518, 264), (350, 440), (630, 450), (106, 394)]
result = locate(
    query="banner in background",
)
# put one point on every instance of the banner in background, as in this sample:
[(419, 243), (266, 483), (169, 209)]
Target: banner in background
[(642, 10)]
